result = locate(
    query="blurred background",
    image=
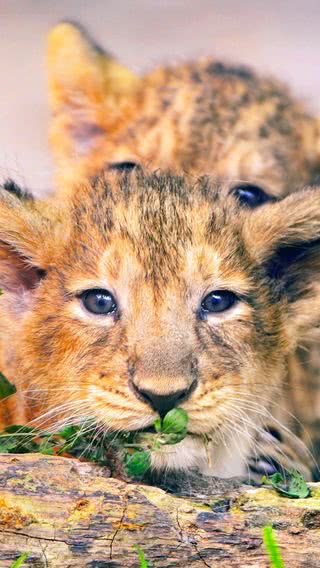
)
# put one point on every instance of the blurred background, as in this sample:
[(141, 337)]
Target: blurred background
[(279, 37)]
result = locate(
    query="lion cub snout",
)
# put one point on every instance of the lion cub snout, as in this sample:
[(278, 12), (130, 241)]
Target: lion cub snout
[(163, 403), (161, 378)]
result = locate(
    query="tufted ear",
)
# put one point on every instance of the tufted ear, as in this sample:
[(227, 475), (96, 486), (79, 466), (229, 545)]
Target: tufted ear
[(87, 92), (283, 238), (26, 242)]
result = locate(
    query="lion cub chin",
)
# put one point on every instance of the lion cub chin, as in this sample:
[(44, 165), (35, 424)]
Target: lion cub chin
[(146, 292), (193, 453)]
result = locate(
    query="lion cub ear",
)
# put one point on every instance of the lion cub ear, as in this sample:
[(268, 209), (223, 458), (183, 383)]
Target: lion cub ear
[(87, 91), (26, 242), (283, 238)]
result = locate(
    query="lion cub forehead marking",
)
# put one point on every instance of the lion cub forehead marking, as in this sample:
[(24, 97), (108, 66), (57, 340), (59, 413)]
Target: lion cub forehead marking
[(209, 269), (155, 220)]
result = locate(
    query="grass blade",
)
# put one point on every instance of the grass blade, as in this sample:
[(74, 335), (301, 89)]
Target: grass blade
[(272, 547), (17, 563), (143, 561)]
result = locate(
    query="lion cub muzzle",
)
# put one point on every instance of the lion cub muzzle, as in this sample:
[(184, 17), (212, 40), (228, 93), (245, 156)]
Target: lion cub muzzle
[(163, 403), (161, 378)]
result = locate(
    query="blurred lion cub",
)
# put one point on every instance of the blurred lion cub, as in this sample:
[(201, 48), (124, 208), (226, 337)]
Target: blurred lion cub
[(204, 117), (141, 292)]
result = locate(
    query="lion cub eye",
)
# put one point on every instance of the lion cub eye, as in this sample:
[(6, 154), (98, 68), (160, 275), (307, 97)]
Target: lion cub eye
[(218, 301), (123, 166), (251, 195), (99, 302)]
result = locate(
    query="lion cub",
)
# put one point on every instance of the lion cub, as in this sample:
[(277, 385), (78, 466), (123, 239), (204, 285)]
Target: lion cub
[(145, 292), (203, 117)]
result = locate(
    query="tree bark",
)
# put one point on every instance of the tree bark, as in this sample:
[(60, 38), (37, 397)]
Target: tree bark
[(66, 513)]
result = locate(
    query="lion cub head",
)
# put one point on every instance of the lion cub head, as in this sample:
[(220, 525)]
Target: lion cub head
[(204, 117), (148, 292)]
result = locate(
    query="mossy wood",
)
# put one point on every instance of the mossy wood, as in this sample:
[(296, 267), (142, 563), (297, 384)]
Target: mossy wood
[(71, 514)]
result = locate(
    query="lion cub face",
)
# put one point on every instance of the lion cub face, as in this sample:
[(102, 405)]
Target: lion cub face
[(203, 117), (147, 293)]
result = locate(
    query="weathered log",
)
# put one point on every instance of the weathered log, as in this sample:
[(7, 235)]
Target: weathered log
[(71, 514)]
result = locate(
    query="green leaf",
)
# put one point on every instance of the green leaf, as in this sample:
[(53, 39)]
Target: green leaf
[(175, 421), (17, 563), (6, 388), (19, 429), (298, 487), (18, 439), (158, 425), (46, 447), (7, 446), (272, 547), (137, 463), (46, 451), (274, 479), (171, 439), (293, 485), (69, 431), (143, 561)]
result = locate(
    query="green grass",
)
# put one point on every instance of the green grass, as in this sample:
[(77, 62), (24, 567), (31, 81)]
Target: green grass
[(17, 563), (270, 542), (143, 561)]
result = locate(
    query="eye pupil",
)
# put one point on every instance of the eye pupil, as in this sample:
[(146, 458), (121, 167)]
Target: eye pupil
[(99, 302), (218, 301), (123, 166), (251, 195)]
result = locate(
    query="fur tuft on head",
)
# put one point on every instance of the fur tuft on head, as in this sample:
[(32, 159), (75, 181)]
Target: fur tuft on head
[(12, 187)]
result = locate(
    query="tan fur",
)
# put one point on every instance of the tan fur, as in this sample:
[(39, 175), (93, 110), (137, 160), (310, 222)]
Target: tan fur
[(201, 117), (160, 244)]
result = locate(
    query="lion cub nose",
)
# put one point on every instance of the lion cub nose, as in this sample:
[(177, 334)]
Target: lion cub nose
[(164, 403)]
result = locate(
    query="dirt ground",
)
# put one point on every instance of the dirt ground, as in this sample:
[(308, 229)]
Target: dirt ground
[(277, 37)]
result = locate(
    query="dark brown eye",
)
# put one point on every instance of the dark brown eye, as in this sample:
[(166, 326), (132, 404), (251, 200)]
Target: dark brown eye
[(217, 301), (123, 166), (251, 195), (99, 302)]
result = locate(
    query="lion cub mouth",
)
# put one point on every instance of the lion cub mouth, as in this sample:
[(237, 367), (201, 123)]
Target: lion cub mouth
[(146, 430), (165, 444)]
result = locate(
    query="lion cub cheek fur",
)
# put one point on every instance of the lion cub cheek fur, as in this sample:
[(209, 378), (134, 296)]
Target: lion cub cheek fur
[(159, 244)]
